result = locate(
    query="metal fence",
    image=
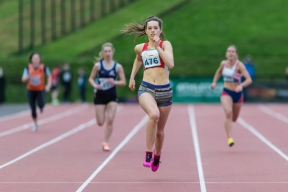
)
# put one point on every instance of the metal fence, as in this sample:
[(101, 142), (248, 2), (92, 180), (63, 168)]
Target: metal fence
[(44, 21)]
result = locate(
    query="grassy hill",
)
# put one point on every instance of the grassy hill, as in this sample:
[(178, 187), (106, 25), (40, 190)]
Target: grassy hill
[(68, 49), (199, 30), (8, 26)]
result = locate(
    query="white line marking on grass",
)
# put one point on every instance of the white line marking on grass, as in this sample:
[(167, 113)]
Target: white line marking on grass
[(53, 141), (273, 113), (261, 137), (114, 152), (196, 147), (44, 121)]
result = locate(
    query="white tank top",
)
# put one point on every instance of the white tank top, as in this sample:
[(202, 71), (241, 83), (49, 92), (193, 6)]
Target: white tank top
[(230, 74)]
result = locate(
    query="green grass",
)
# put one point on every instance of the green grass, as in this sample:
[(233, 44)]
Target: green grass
[(200, 32), (9, 20), (69, 48), (8, 26), (104, 29)]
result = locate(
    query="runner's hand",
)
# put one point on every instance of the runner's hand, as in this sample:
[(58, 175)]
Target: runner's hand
[(239, 88), (213, 85), (111, 81), (98, 87), (156, 40), (132, 84)]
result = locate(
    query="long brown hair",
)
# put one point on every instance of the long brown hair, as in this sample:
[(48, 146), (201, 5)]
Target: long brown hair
[(101, 56), (139, 28)]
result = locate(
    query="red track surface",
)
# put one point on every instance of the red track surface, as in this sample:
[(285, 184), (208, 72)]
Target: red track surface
[(257, 161)]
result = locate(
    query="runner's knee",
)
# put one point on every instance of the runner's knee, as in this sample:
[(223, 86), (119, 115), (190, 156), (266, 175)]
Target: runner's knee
[(229, 114), (154, 116), (110, 121), (100, 123)]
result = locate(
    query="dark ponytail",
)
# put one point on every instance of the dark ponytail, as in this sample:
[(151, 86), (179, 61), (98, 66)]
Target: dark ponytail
[(139, 28)]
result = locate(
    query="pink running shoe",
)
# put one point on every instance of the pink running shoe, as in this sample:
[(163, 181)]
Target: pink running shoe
[(148, 159), (155, 163)]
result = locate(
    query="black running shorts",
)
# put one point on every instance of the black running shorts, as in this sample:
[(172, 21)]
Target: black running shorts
[(104, 99)]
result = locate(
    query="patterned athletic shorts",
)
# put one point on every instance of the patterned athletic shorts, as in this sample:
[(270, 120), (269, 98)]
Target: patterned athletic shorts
[(161, 93)]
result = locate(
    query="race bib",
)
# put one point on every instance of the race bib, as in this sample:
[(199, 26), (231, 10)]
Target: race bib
[(105, 84), (150, 58), (35, 80)]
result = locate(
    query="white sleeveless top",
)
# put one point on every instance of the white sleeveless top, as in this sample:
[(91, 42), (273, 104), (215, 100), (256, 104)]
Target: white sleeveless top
[(230, 74)]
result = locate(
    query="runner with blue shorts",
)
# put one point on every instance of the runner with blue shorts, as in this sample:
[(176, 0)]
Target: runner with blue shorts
[(232, 96)]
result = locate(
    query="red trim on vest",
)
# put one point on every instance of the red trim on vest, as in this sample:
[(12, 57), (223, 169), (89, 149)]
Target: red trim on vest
[(160, 44), (162, 62), (145, 46)]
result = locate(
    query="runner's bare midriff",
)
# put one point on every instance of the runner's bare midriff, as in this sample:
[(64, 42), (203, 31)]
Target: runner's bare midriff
[(230, 85), (156, 76)]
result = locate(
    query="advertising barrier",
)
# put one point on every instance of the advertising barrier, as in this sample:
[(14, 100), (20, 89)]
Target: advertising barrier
[(195, 89)]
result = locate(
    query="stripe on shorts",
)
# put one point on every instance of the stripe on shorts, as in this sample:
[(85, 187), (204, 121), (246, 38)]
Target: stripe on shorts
[(161, 93)]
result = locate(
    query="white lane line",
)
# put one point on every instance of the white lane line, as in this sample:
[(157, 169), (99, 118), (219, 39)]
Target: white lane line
[(156, 182), (53, 141), (44, 121), (273, 113), (117, 149), (196, 147), (261, 137)]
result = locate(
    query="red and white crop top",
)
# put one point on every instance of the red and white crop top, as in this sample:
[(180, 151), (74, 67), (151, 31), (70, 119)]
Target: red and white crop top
[(151, 57)]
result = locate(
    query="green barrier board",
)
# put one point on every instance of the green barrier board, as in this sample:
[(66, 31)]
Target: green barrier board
[(195, 89)]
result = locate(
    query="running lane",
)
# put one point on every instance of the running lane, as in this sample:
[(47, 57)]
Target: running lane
[(177, 171), (25, 118), (16, 144), (65, 165), (250, 165), (271, 121)]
